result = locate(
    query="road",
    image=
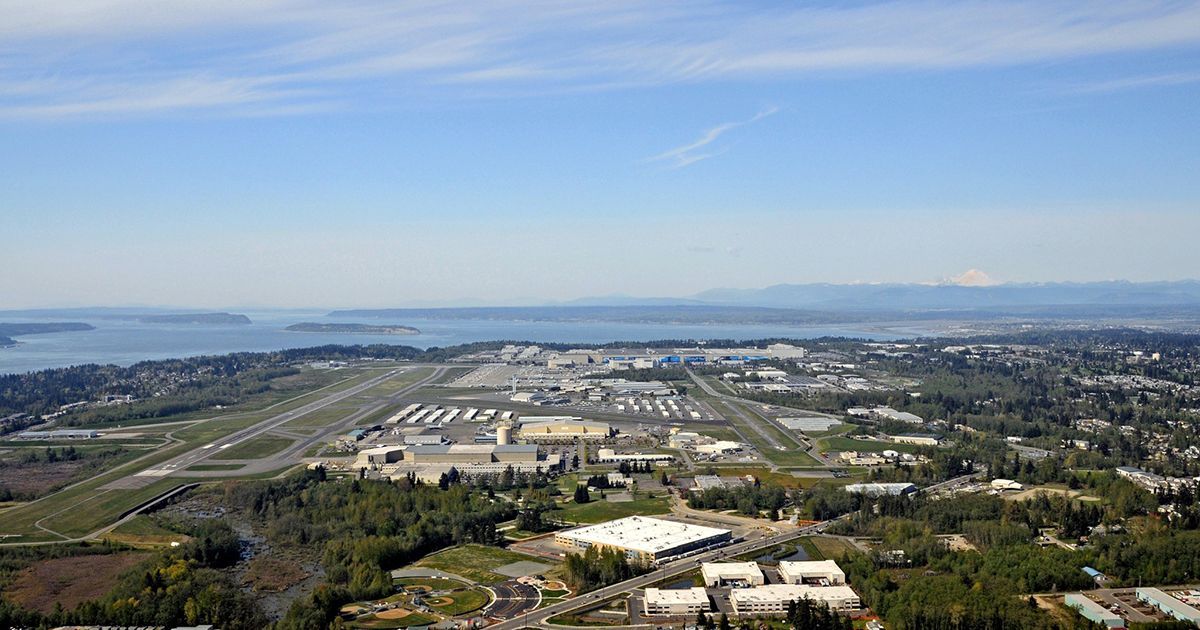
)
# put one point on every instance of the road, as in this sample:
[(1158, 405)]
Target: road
[(669, 570)]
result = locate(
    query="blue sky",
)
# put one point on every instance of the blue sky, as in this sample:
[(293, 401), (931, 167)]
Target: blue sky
[(292, 153)]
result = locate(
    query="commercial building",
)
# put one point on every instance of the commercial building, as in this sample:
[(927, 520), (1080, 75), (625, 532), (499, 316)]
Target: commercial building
[(773, 599), (720, 447), (1092, 611), (1005, 484), (1168, 605), (920, 439), (564, 430), (879, 489), (732, 574), (676, 601), (823, 572), (645, 539)]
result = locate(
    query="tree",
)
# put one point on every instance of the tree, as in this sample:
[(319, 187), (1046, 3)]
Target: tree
[(581, 494)]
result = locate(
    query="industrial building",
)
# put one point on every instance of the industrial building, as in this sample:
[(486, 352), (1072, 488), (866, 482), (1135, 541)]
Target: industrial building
[(919, 439), (823, 572), (809, 423), (880, 489), (1092, 611), (645, 539), (608, 455), (467, 459), (732, 574), (425, 438), (676, 601), (1169, 605), (773, 599), (564, 430)]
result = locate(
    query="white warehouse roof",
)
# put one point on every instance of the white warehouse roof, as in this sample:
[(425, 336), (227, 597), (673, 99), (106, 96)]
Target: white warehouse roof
[(644, 534)]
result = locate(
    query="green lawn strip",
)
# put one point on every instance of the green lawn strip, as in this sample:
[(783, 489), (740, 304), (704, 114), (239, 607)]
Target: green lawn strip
[(254, 448), (599, 510), (395, 384), (434, 584), (412, 619), (831, 548)]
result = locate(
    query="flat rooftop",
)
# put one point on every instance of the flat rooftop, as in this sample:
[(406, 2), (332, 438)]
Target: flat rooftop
[(644, 534), (769, 593), (667, 596), (731, 569), (811, 567)]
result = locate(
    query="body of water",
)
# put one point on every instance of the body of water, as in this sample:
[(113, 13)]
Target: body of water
[(126, 342)]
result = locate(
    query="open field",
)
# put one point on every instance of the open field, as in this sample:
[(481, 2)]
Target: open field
[(474, 562), (1033, 491), (255, 448), (37, 478), (395, 618), (69, 581), (141, 531), (598, 510), (459, 602), (824, 548)]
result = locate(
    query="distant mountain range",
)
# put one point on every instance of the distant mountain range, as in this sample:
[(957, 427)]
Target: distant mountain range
[(931, 297)]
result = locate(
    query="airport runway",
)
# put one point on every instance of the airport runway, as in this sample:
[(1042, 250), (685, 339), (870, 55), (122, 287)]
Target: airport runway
[(273, 425)]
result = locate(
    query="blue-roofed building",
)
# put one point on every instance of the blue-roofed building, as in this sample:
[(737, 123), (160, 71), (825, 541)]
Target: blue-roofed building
[(1099, 577)]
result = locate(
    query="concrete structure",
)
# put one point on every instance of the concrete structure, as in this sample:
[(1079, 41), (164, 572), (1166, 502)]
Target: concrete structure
[(59, 434), (732, 574), (823, 572), (645, 539), (879, 489), (1092, 611), (1169, 605), (676, 601), (566, 430), (773, 599), (503, 436)]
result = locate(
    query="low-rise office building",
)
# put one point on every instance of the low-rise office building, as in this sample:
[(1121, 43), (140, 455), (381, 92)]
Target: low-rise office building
[(773, 599), (675, 601), (880, 489), (823, 572), (732, 574)]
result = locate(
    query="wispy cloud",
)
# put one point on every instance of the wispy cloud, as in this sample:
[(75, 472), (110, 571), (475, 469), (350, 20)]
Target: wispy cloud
[(693, 152), (73, 57), (1134, 83)]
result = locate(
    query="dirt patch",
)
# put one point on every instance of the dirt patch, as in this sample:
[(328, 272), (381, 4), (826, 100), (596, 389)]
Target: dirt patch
[(439, 602), (395, 613), (273, 575), (1030, 493), (69, 581)]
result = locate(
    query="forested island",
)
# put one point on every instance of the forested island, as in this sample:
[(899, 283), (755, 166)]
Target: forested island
[(358, 329), (196, 318), (10, 330)]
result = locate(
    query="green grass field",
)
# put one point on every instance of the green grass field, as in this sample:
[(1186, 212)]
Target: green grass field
[(599, 510), (823, 548), (255, 448), (142, 530), (475, 562), (463, 601)]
